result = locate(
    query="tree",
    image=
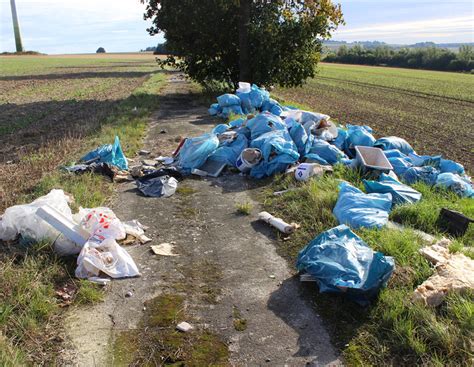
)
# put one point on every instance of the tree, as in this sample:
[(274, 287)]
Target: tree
[(100, 50), (260, 41)]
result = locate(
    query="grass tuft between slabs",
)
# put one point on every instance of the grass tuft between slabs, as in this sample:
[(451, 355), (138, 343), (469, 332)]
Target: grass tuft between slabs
[(30, 328), (393, 330)]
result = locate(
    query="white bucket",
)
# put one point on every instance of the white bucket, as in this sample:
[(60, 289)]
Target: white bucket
[(248, 159)]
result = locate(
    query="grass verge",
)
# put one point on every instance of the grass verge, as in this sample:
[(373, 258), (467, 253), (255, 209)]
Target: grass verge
[(30, 331), (393, 330)]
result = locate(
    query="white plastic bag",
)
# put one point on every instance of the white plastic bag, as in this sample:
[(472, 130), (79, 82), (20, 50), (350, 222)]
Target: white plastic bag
[(107, 257), (22, 220), (102, 223)]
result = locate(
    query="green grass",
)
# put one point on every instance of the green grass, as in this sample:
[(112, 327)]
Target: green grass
[(393, 330), (434, 83), (244, 208)]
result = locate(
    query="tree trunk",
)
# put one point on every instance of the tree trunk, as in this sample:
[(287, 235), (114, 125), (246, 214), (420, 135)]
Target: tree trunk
[(16, 27), (244, 54)]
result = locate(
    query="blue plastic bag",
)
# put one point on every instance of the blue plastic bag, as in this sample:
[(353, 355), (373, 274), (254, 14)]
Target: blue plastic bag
[(394, 153), (358, 209), (342, 262), (426, 174), (237, 122), (454, 182), (227, 100), (450, 166), (195, 151), (253, 100), (358, 135), (394, 142), (401, 194), (300, 137), (263, 123), (214, 109), (400, 165), (230, 152), (258, 96), (109, 153), (330, 153), (278, 151), (219, 129), (425, 160), (227, 111), (340, 141)]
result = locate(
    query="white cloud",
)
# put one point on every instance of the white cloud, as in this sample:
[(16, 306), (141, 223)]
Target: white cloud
[(460, 27)]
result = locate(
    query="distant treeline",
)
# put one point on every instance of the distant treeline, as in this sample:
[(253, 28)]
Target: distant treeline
[(160, 49), (419, 58)]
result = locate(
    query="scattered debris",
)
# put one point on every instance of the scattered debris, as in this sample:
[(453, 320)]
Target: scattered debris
[(165, 160), (100, 281), (278, 223), (157, 186), (163, 131), (184, 327), (164, 249), (137, 230), (143, 152), (149, 162), (454, 273), (129, 294)]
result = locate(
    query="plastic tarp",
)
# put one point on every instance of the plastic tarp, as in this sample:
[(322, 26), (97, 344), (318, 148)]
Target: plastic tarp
[(109, 153), (278, 151), (195, 151), (327, 152), (263, 123), (456, 183), (230, 152), (394, 142), (342, 262), (358, 209), (228, 99), (401, 194)]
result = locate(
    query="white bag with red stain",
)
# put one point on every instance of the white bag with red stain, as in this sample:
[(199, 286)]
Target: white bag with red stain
[(101, 223), (106, 257)]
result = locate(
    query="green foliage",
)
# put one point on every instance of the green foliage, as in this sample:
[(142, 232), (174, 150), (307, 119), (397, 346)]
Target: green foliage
[(431, 58), (284, 38)]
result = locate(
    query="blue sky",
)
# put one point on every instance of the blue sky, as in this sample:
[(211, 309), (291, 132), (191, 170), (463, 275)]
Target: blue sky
[(81, 26)]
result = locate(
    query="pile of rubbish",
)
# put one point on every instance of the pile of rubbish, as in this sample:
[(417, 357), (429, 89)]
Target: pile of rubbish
[(91, 233)]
